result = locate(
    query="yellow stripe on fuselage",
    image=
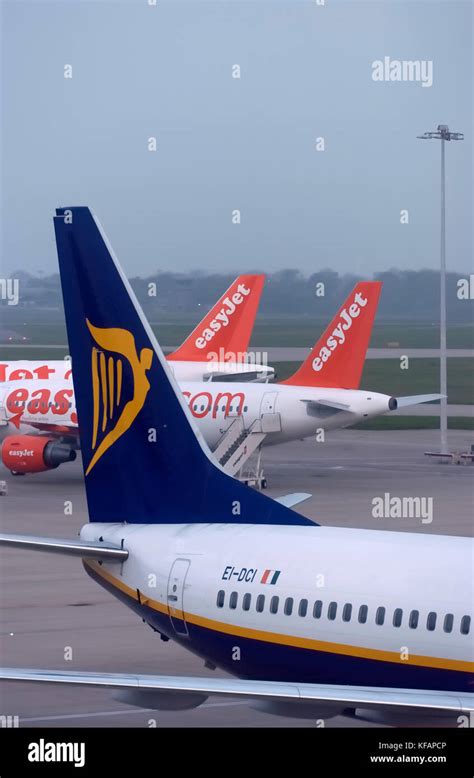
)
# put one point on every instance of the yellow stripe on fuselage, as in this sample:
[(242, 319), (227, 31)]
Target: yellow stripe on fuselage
[(288, 640)]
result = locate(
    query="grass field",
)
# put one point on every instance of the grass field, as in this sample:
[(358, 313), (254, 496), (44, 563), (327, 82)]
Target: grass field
[(415, 423), (406, 334), (273, 332), (422, 377)]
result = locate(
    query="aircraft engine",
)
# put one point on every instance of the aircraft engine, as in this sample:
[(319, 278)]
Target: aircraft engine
[(160, 700), (34, 453)]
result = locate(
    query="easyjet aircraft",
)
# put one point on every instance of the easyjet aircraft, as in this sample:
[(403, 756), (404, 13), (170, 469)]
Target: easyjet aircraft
[(215, 350), (235, 421), (218, 567)]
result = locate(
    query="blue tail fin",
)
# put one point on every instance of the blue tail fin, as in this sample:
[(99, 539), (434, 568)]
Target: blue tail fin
[(144, 462)]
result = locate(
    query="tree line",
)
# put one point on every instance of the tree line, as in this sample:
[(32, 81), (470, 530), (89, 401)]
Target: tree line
[(412, 295)]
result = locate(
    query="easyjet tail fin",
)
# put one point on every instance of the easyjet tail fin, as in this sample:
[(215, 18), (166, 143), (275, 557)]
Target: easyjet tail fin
[(337, 359), (227, 328)]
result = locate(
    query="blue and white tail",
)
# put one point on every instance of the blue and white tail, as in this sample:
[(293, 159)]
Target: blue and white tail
[(144, 460)]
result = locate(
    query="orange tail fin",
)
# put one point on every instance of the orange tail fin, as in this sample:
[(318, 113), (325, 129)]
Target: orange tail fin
[(227, 328), (337, 360)]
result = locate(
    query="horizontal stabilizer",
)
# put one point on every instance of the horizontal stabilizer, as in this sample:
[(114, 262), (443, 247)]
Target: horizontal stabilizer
[(417, 399), (341, 697), (63, 546), (248, 376), (293, 499)]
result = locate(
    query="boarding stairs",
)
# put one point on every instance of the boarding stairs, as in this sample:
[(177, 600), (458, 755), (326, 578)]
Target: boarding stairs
[(239, 443)]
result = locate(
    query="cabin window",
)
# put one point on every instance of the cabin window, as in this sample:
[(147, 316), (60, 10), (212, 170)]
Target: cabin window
[(363, 611), (448, 622), (465, 625), (288, 609), (347, 612), (260, 603), (413, 620), (233, 600), (220, 599), (332, 610), (245, 408), (380, 616), (274, 602), (317, 609), (303, 608), (431, 621), (246, 600), (397, 617)]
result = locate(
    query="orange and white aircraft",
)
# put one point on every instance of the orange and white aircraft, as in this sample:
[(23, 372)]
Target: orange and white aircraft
[(215, 349), (235, 419)]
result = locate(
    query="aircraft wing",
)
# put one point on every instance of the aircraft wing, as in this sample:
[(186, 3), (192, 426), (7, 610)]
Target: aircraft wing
[(64, 546), (60, 430), (322, 408), (294, 498), (198, 689)]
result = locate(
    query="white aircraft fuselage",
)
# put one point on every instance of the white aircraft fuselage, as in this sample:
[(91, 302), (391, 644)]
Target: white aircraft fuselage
[(287, 412), (303, 604)]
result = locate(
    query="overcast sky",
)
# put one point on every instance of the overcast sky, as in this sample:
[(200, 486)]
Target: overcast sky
[(223, 143)]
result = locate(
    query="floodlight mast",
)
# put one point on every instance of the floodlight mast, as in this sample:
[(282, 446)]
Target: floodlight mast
[(443, 134)]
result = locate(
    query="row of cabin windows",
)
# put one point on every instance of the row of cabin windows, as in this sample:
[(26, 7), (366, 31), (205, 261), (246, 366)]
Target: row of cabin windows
[(19, 404), (347, 611), (196, 407)]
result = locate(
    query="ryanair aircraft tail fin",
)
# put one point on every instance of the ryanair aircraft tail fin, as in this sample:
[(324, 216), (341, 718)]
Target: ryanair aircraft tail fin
[(144, 461), (337, 359), (226, 329)]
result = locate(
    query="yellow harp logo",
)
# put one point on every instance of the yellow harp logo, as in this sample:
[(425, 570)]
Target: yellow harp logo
[(107, 373)]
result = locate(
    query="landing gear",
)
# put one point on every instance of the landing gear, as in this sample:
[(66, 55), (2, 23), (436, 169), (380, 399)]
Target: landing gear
[(253, 476), (165, 638), (15, 472)]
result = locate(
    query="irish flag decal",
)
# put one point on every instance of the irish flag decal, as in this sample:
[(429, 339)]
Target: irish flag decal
[(270, 576)]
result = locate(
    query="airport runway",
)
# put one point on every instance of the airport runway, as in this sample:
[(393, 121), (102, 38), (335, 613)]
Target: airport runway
[(432, 409), (291, 354), (48, 604)]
